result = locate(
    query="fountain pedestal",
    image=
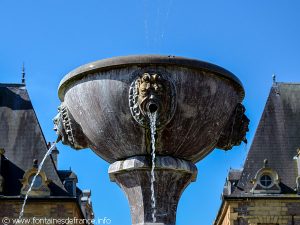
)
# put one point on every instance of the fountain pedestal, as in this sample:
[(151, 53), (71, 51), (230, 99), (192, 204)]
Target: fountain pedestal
[(172, 176)]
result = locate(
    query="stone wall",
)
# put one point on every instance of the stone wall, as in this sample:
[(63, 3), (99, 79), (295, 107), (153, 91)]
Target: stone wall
[(260, 212), (39, 211)]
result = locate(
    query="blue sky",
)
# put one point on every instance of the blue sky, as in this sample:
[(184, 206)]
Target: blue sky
[(252, 39)]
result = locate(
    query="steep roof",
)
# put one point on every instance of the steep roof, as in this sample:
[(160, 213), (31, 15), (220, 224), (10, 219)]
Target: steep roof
[(234, 174), (276, 139), (22, 138)]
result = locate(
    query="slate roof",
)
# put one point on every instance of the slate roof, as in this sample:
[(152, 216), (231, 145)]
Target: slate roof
[(277, 139), (65, 174), (23, 140), (234, 174)]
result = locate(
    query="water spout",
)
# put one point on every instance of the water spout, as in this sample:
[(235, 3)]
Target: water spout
[(152, 107), (152, 117)]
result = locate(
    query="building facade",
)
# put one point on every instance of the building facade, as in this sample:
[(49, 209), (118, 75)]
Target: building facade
[(54, 194), (267, 190)]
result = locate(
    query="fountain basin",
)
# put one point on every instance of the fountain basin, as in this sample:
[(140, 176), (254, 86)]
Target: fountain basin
[(105, 105)]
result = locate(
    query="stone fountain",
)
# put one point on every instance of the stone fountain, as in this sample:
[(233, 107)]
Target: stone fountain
[(105, 107)]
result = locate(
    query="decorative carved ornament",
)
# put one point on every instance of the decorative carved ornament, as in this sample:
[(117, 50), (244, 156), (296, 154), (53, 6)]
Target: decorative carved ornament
[(152, 92), (63, 125), (40, 187), (68, 130), (235, 129)]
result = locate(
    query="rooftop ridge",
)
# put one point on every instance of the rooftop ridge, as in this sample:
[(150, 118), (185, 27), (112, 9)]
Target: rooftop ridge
[(12, 85), (287, 83)]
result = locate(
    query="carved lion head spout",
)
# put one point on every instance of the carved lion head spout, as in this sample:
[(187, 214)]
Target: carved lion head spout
[(235, 130), (58, 128), (152, 93), (67, 130)]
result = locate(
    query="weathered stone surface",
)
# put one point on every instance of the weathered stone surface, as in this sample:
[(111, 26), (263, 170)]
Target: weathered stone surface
[(172, 177), (108, 104), (235, 130), (202, 99), (273, 211)]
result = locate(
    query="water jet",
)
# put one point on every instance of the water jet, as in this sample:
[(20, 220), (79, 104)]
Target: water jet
[(105, 107)]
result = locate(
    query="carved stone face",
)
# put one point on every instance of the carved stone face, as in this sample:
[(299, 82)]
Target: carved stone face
[(67, 130), (235, 130), (58, 127), (152, 93)]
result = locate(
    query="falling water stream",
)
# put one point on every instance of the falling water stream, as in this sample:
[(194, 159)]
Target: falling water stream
[(34, 178), (152, 117)]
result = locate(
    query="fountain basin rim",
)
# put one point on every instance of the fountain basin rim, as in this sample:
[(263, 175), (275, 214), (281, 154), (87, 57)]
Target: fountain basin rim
[(142, 60)]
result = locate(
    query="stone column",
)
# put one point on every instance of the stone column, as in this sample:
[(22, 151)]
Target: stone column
[(172, 176)]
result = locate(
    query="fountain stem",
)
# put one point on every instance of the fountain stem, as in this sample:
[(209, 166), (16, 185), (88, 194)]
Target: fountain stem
[(172, 176)]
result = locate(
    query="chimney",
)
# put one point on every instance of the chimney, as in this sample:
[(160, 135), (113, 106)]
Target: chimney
[(70, 183), (54, 154), (86, 204), (297, 158)]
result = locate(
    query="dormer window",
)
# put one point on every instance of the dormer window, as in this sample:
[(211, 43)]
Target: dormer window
[(265, 180), (40, 186), (38, 180)]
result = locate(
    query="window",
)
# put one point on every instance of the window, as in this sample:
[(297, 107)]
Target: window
[(37, 182), (265, 180)]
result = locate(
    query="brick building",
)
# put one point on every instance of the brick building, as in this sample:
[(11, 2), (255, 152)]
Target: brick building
[(266, 191), (22, 143)]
